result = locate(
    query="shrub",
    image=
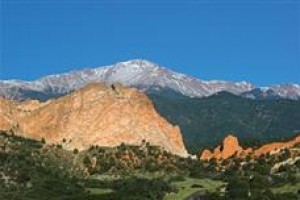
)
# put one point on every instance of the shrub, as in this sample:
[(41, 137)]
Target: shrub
[(75, 151)]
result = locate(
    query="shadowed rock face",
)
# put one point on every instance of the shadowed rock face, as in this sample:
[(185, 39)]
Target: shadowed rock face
[(231, 148), (94, 115)]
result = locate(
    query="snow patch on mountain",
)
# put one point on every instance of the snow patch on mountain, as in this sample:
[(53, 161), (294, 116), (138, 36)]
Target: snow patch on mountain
[(138, 73)]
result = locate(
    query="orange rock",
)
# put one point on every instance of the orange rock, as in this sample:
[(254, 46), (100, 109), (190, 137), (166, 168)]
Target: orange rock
[(231, 147), (94, 115), (276, 146), (248, 151), (218, 152), (206, 155)]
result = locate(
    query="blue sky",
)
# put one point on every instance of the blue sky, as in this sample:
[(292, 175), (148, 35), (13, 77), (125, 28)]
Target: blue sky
[(256, 41)]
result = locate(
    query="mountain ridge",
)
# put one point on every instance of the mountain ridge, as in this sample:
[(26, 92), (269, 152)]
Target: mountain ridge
[(141, 74)]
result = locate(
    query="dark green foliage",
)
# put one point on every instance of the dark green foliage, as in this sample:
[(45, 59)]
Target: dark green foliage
[(136, 189), (36, 174), (252, 188), (130, 158), (38, 171), (86, 161), (177, 178), (237, 188), (75, 151), (204, 122), (196, 186)]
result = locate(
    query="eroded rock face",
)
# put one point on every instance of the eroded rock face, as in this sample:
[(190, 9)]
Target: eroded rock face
[(231, 148), (6, 121), (276, 146), (94, 115), (206, 155)]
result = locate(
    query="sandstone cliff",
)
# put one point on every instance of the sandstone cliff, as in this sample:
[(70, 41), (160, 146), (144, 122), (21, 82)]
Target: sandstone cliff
[(274, 147), (231, 148), (94, 115)]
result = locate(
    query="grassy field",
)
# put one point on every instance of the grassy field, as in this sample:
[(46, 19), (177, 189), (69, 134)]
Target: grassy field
[(190, 186), (100, 191), (186, 188)]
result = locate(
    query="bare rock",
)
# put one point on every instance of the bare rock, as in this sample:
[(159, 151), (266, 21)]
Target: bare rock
[(94, 115)]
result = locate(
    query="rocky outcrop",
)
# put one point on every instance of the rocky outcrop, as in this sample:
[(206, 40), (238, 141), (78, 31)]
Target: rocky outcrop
[(276, 146), (231, 148), (94, 115), (206, 155)]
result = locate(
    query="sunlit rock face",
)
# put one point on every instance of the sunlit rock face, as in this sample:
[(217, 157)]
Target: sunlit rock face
[(206, 155), (232, 148), (94, 115), (276, 146), (229, 148)]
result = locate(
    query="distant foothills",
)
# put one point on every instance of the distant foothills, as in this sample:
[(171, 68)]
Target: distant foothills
[(205, 111)]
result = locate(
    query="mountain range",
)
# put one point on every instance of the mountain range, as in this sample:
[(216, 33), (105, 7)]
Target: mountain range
[(205, 111), (144, 75)]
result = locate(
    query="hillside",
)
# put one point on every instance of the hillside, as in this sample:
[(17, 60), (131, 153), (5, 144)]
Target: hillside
[(204, 122), (33, 170)]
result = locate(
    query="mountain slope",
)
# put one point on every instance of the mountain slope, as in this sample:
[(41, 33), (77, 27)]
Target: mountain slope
[(141, 74), (204, 122), (94, 115)]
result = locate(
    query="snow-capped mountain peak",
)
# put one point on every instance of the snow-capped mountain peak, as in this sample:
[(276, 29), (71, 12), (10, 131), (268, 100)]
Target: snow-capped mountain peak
[(139, 73)]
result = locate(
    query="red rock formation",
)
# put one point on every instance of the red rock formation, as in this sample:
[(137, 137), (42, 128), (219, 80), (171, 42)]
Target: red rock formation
[(206, 155), (94, 115), (218, 152), (6, 121), (231, 147), (276, 146)]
